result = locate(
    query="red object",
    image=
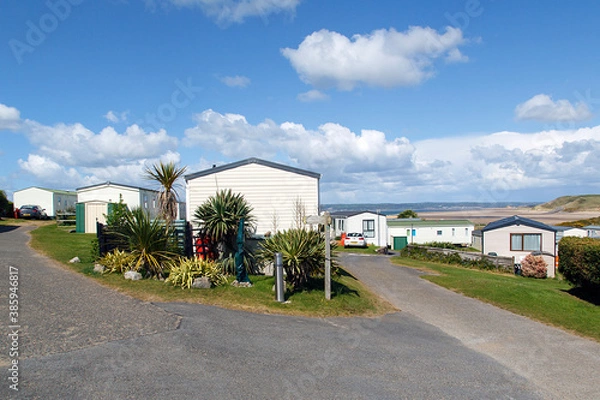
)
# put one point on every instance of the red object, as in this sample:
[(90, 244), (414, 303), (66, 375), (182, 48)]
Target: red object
[(203, 249), (16, 213)]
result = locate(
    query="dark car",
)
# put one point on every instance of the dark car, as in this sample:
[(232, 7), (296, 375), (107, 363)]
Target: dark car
[(32, 211)]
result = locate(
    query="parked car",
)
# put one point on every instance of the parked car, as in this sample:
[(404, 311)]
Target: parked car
[(355, 240), (33, 212)]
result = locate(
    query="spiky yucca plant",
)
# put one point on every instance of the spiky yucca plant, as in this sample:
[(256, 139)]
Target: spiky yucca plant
[(303, 254), (219, 217), (150, 242)]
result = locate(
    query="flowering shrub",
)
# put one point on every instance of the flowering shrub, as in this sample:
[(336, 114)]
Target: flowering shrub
[(534, 267)]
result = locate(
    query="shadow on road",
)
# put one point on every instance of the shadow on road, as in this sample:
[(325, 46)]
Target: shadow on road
[(7, 228)]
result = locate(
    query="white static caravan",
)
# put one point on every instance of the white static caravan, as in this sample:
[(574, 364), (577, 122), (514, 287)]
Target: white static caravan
[(371, 224), (517, 237), (93, 201), (272, 190), (404, 231), (51, 200)]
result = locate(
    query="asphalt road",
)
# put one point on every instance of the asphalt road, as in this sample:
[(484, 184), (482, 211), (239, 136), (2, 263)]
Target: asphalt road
[(561, 365), (79, 340)]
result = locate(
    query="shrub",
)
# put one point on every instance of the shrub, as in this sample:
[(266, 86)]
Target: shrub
[(303, 254), (184, 270), (117, 261), (534, 267), (219, 218), (579, 261), (150, 242), (421, 253)]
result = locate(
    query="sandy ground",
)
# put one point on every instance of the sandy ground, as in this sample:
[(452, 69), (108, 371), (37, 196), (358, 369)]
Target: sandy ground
[(486, 215)]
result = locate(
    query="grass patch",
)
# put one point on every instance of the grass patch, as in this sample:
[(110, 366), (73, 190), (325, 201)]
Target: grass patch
[(371, 249), (551, 301), (349, 296)]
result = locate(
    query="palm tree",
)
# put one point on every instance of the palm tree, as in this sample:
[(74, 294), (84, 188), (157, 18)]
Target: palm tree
[(166, 175)]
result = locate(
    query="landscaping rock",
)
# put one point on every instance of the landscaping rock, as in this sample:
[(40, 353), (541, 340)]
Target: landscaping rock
[(201, 283), (134, 276), (99, 268), (74, 260), (241, 284)]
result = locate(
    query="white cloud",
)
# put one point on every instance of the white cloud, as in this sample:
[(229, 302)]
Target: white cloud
[(228, 11), (116, 117), (384, 58), (72, 155), (372, 167), (236, 81), (10, 117), (332, 148), (542, 108), (312, 95)]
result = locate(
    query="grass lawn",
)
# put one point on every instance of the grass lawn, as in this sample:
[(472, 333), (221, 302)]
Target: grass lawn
[(371, 249), (546, 300), (349, 296)]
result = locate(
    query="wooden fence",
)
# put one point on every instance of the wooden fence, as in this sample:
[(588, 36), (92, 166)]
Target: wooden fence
[(109, 240)]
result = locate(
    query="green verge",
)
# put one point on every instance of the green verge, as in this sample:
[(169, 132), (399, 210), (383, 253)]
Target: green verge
[(546, 300), (349, 296), (371, 249)]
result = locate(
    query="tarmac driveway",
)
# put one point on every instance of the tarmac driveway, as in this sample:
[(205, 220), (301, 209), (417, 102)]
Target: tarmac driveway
[(561, 365), (79, 340)]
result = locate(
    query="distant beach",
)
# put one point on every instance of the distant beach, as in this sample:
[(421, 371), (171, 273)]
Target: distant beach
[(484, 216)]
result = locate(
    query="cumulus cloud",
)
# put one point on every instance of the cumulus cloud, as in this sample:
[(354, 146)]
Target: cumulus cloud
[(542, 108), (116, 117), (370, 166), (236, 81), (10, 118), (332, 149), (72, 155), (312, 95), (228, 11), (383, 58)]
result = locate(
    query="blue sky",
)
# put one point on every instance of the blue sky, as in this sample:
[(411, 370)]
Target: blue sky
[(391, 101)]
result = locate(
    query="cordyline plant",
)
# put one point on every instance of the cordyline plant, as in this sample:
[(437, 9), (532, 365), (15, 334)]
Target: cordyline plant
[(219, 218), (166, 175), (303, 254), (150, 242)]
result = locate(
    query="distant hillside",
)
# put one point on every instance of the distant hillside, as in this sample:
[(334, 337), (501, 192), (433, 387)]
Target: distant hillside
[(588, 202)]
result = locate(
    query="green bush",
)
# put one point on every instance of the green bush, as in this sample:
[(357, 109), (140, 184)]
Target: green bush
[(184, 270), (149, 241), (579, 261), (303, 254), (420, 253)]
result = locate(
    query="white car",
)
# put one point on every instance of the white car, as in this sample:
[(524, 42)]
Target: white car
[(355, 240)]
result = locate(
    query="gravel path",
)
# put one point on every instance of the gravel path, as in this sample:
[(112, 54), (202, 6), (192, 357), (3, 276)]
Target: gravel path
[(562, 365)]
